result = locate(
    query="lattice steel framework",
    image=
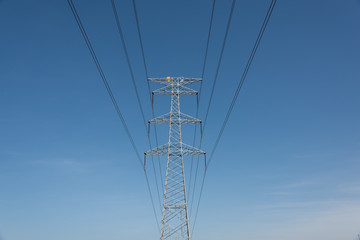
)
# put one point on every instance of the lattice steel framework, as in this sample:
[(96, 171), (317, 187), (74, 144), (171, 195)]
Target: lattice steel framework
[(175, 218)]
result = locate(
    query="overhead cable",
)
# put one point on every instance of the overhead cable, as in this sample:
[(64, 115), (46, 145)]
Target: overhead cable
[(128, 61), (103, 77), (219, 62), (213, 86), (207, 46), (253, 52), (242, 79), (148, 84), (201, 84), (136, 90)]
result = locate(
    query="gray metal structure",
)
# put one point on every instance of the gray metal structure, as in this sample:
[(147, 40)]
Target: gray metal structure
[(175, 218)]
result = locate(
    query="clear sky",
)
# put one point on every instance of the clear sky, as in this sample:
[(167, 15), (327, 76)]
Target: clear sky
[(287, 166)]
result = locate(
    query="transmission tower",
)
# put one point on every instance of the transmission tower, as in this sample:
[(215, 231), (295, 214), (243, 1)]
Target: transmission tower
[(175, 218)]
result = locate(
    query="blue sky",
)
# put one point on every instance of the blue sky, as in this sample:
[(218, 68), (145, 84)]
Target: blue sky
[(287, 165)]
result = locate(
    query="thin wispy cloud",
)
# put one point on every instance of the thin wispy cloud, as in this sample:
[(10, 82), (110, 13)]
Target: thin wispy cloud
[(70, 162), (299, 184), (310, 220), (331, 223), (58, 162)]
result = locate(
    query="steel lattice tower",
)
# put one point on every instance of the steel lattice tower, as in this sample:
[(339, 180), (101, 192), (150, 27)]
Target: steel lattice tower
[(175, 218)]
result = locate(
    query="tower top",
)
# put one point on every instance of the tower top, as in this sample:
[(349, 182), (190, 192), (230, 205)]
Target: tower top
[(178, 80)]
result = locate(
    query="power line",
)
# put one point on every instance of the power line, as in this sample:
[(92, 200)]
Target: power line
[(253, 52), (147, 81), (103, 77), (214, 83), (207, 46), (136, 91), (219, 62), (135, 88), (128, 60), (197, 207), (141, 42), (201, 84)]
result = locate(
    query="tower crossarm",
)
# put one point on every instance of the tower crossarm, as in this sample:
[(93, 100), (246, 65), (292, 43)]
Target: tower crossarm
[(175, 118), (169, 90), (178, 80), (175, 149)]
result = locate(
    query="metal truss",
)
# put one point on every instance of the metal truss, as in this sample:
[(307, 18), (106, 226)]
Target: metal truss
[(177, 149), (179, 118), (183, 81), (175, 218), (182, 90)]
